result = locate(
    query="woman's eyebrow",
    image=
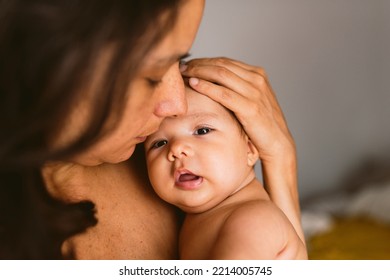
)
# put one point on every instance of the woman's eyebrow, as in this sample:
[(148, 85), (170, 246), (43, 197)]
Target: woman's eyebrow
[(172, 59), (184, 56)]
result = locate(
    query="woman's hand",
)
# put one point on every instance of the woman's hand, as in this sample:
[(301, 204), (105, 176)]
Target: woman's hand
[(245, 90)]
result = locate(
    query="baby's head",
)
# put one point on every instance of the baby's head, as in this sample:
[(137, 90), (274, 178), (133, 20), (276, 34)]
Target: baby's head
[(197, 160)]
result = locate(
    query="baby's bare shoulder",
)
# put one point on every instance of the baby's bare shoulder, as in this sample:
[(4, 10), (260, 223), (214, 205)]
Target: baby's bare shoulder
[(254, 230), (258, 215)]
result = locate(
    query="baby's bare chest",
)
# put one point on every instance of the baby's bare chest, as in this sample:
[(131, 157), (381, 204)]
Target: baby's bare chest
[(199, 234)]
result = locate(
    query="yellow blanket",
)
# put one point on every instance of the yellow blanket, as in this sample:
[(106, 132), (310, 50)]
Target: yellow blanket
[(352, 239)]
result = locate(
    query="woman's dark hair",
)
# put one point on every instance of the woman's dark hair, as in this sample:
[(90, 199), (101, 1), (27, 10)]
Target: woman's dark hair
[(48, 52)]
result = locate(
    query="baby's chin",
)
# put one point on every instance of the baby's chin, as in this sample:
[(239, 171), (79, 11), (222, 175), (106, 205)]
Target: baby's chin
[(197, 208)]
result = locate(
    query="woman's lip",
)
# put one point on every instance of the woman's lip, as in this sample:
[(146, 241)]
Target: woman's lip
[(187, 184)]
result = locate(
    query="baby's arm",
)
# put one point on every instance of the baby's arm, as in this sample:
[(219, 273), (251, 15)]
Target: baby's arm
[(258, 230)]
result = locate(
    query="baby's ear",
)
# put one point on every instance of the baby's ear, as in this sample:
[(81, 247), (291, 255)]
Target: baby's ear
[(253, 153)]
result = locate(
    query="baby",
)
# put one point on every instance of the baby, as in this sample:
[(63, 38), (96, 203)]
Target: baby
[(203, 162)]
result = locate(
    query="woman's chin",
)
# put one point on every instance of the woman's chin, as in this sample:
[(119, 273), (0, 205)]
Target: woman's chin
[(90, 159), (122, 157)]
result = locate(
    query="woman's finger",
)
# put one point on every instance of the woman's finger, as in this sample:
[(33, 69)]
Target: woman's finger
[(205, 66), (219, 70), (248, 81), (226, 62), (243, 108), (254, 75), (224, 77)]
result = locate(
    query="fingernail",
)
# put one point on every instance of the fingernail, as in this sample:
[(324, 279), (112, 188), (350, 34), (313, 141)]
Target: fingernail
[(183, 67), (194, 81)]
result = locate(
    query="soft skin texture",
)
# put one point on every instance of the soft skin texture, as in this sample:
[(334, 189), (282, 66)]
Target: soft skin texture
[(246, 225), (147, 104), (203, 163), (133, 222), (201, 143), (245, 90)]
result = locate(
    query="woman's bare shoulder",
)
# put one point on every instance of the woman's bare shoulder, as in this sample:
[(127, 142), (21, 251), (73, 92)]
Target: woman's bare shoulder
[(72, 182), (133, 223)]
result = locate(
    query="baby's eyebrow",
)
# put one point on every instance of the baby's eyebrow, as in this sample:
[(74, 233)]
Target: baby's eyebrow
[(201, 115)]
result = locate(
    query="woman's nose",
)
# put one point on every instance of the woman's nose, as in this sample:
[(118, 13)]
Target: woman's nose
[(179, 149), (172, 101)]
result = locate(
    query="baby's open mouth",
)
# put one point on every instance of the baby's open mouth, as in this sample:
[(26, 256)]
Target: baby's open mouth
[(187, 180), (187, 177)]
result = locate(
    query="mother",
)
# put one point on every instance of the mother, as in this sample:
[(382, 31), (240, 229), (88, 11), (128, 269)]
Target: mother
[(81, 84)]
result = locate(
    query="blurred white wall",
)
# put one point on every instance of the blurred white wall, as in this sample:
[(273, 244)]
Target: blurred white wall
[(329, 63)]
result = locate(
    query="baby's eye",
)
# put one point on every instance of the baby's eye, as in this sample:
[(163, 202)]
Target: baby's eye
[(202, 131), (159, 144)]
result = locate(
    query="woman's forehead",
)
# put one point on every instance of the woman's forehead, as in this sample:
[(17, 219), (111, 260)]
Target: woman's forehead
[(177, 42)]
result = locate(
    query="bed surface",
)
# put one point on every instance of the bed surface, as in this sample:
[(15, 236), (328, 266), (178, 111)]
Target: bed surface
[(349, 225)]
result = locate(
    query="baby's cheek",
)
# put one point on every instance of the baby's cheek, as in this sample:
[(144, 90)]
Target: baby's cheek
[(156, 174)]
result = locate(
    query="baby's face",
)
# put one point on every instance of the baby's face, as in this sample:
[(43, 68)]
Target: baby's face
[(197, 160)]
